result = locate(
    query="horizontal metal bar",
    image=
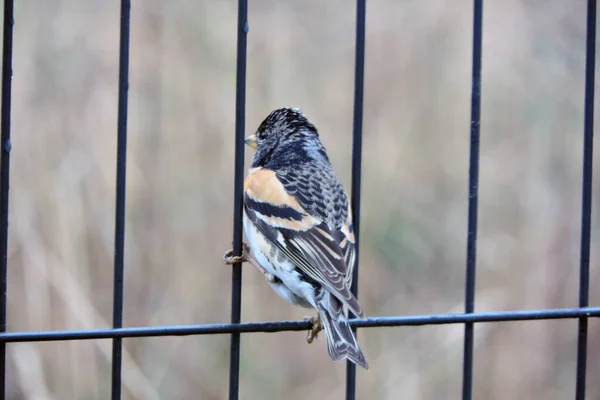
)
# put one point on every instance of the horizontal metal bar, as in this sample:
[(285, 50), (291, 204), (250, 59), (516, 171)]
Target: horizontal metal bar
[(279, 326)]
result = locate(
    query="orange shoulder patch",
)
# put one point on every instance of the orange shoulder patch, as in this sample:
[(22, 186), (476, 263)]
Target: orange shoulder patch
[(262, 185)]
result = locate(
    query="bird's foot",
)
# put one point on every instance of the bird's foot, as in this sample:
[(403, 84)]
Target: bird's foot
[(316, 328), (230, 259)]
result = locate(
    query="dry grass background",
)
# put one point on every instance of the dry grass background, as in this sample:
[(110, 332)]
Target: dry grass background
[(180, 182)]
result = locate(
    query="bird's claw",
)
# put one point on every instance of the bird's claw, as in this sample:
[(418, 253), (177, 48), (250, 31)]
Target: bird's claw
[(230, 259), (317, 327)]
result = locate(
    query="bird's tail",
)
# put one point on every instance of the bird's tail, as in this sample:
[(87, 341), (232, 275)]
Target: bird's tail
[(341, 342)]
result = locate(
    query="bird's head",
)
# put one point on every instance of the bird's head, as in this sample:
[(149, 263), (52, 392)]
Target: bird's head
[(285, 131)]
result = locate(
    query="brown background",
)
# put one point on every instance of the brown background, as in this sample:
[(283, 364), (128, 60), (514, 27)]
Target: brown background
[(180, 185)]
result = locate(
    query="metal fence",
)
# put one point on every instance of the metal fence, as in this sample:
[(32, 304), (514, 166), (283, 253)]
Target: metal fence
[(235, 328)]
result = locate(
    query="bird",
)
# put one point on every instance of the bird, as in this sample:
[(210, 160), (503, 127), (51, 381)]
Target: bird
[(298, 223)]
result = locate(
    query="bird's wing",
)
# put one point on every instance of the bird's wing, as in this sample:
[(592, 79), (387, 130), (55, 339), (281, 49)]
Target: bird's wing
[(318, 251), (348, 247)]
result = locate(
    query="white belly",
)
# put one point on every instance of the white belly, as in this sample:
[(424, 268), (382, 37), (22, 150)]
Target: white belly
[(257, 243), (292, 288)]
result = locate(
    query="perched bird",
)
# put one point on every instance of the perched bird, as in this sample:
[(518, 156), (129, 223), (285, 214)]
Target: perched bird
[(299, 226)]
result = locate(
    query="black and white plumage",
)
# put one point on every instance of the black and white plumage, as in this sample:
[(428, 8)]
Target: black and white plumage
[(299, 225)]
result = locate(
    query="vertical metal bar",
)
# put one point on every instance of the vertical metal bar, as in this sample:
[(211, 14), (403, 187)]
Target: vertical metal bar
[(120, 196), (359, 80), (240, 118), (586, 207), (473, 193), (5, 173)]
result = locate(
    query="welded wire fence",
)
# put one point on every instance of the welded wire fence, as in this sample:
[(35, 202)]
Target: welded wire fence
[(235, 327)]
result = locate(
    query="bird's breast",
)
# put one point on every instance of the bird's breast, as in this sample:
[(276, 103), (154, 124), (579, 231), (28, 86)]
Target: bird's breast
[(290, 286), (261, 248)]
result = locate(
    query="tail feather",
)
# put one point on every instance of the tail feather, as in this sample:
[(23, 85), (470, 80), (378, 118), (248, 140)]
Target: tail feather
[(341, 342)]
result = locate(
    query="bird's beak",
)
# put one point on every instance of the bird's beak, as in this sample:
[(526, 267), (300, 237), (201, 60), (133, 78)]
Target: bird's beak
[(251, 141)]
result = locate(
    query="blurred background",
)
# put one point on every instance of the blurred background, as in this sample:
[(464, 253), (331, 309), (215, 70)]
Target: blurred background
[(414, 215)]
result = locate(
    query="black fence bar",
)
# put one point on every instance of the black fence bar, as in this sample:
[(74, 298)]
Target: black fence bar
[(284, 326), (240, 118), (7, 50), (359, 83), (473, 193), (586, 208), (120, 195), (235, 327)]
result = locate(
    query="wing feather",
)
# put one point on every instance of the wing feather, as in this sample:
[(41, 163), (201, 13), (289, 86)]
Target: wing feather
[(313, 247)]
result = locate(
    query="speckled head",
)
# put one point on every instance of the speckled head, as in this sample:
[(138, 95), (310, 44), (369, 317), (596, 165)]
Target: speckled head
[(285, 133)]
